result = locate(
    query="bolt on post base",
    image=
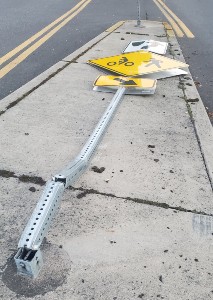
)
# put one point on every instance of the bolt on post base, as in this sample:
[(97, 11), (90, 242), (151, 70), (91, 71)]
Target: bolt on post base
[(139, 24), (29, 262)]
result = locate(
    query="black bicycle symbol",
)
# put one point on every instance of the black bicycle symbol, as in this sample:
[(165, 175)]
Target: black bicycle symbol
[(123, 61)]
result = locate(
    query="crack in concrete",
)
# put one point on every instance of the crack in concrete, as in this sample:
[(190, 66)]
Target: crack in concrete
[(85, 192), (23, 178), (192, 100)]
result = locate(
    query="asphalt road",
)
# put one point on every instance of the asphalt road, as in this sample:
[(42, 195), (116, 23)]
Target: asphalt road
[(21, 20)]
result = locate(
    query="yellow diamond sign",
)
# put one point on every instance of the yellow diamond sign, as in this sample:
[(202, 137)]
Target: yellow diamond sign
[(124, 81), (136, 63)]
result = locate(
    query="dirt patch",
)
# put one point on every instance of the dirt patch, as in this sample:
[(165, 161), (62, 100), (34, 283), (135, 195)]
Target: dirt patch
[(32, 179), (23, 178), (7, 174), (98, 170)]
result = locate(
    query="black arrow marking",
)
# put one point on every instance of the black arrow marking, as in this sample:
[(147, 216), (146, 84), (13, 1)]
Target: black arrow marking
[(126, 82), (135, 44)]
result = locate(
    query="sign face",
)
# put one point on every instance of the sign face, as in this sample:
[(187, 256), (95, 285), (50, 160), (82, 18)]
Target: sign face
[(111, 81), (165, 74), (134, 86), (148, 45), (136, 63)]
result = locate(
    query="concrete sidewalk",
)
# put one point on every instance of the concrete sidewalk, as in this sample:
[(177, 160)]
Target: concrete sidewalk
[(141, 229)]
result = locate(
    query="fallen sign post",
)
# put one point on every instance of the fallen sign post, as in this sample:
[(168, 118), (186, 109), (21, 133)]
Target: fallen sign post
[(29, 257)]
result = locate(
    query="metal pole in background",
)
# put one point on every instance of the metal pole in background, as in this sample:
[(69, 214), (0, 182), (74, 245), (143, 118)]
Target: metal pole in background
[(139, 13)]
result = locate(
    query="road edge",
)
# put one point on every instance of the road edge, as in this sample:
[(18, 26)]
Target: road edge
[(21, 93), (196, 109)]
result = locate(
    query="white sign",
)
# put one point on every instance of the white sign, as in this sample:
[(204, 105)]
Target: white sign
[(165, 74), (147, 45)]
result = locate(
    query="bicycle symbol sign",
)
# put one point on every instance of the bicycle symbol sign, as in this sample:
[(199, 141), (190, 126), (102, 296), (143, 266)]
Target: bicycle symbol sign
[(136, 63), (123, 61)]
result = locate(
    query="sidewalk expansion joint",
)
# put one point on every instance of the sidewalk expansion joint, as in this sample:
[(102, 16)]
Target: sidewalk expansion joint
[(23, 178), (84, 192)]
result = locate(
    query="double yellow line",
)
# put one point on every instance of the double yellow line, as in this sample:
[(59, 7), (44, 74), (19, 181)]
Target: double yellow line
[(62, 21), (179, 27)]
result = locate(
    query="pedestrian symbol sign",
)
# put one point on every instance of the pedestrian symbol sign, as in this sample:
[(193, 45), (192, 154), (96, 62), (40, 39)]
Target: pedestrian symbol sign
[(124, 81), (136, 63)]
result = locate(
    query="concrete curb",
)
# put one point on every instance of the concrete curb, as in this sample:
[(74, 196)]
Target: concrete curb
[(199, 117), (22, 92), (18, 95)]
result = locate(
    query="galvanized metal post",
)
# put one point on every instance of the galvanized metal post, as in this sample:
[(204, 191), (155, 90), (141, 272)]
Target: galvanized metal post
[(139, 13), (29, 257)]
